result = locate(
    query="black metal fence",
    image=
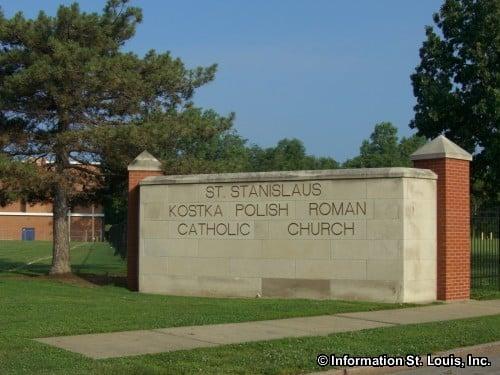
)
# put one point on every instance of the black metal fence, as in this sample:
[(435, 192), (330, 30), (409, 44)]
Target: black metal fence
[(116, 235), (485, 249)]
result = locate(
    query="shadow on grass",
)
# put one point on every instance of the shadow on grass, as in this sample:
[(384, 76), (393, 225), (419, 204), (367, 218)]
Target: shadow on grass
[(95, 274), (103, 280), (35, 269)]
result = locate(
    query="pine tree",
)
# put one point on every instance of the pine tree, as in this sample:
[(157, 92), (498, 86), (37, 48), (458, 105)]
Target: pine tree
[(71, 95)]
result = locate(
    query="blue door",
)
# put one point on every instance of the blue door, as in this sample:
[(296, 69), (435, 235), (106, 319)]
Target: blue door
[(28, 234)]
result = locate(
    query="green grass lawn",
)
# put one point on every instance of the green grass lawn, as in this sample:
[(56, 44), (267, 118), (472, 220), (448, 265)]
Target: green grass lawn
[(19, 355), (36, 306), (86, 258), (484, 293), (112, 308), (485, 262), (298, 355)]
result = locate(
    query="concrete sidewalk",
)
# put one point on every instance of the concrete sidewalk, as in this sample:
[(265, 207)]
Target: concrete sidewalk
[(129, 343)]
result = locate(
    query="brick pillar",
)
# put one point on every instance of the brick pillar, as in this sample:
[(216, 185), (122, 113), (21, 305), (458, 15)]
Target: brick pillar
[(452, 165), (143, 166)]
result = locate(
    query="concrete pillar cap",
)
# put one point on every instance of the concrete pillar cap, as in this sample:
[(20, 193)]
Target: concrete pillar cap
[(440, 148), (145, 162)]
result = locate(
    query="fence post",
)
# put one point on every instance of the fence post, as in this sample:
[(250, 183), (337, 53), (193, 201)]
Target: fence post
[(142, 166), (452, 165)]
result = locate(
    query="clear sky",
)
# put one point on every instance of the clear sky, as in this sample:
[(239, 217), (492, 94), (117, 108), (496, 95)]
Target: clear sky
[(323, 71)]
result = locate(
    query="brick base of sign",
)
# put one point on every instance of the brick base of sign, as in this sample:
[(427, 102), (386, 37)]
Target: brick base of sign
[(453, 226), (134, 178)]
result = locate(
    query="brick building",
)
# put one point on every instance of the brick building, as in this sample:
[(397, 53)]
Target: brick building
[(24, 221), (34, 222)]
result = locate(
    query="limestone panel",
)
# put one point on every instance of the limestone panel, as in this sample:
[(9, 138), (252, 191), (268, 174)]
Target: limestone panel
[(385, 249), (386, 229), (418, 249), (155, 193), (149, 229), (256, 211), (183, 193), (420, 189), (350, 249), (386, 269), (345, 189), (170, 247), (384, 188), (231, 248), (200, 286), (329, 209), (334, 269), (388, 209), (282, 268), (298, 249), (420, 228), (153, 265), (185, 266), (296, 288), (261, 230), (230, 286), (418, 209), (419, 270), (365, 234), (210, 229), (367, 290), (153, 211), (258, 191), (366, 249), (420, 291), (318, 229)]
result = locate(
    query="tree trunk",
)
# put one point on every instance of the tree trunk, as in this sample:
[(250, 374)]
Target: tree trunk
[(60, 251)]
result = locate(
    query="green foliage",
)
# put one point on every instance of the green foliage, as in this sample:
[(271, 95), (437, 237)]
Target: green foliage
[(195, 141), (457, 86), (383, 149), (287, 155), (68, 92), (190, 140), (14, 170)]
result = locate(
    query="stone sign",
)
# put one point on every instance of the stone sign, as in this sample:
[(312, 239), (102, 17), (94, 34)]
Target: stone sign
[(365, 234), (230, 210)]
